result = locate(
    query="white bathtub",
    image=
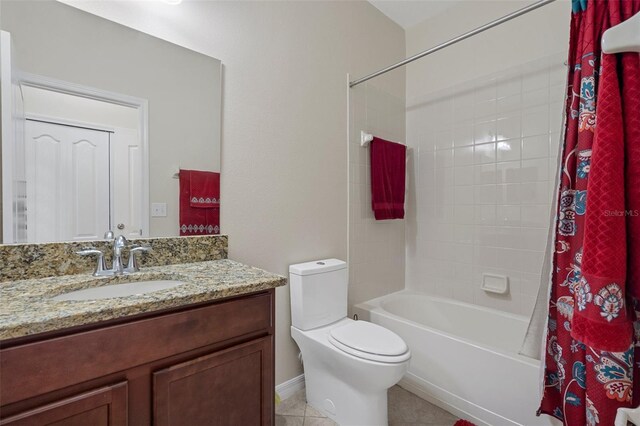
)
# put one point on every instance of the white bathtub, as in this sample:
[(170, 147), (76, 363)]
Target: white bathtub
[(464, 357)]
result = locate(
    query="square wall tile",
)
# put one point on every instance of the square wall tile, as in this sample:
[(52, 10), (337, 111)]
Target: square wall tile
[(485, 108), (535, 121), (535, 193), (443, 139), (463, 156), (509, 172), (485, 194), (508, 127), (444, 158), (535, 147), (507, 215), (536, 216), (485, 215), (463, 175), (509, 193), (444, 177), (464, 215), (536, 170), (535, 97), (509, 104), (484, 131), (484, 153), (463, 194), (508, 150), (484, 174), (533, 239), (463, 134)]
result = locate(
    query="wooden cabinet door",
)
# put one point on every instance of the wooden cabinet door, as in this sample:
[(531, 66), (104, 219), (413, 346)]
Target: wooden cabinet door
[(106, 406), (231, 387)]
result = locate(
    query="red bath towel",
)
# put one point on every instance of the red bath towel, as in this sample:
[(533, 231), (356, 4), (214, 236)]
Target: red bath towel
[(199, 218), (611, 260), (388, 167)]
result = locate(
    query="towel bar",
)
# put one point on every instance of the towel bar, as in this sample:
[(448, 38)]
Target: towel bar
[(365, 138)]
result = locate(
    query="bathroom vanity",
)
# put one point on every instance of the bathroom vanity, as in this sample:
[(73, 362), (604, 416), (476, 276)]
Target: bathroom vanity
[(199, 353)]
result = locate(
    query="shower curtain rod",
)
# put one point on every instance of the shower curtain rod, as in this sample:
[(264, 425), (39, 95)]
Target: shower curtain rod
[(466, 35)]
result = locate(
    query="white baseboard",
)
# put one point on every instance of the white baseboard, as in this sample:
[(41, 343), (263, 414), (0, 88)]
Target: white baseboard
[(291, 386)]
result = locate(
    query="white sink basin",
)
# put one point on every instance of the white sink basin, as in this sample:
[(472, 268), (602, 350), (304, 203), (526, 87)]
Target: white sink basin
[(119, 290)]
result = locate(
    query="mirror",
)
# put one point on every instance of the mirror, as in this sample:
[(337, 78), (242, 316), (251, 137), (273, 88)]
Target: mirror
[(97, 121)]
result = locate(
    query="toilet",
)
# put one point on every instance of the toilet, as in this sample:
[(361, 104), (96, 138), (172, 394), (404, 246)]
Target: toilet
[(348, 365)]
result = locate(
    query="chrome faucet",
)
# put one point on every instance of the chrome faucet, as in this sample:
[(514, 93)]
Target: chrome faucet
[(119, 243), (101, 268), (132, 265), (117, 267)]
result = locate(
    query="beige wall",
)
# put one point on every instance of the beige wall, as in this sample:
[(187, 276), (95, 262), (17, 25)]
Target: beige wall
[(536, 34), (284, 128), (376, 247), (183, 87)]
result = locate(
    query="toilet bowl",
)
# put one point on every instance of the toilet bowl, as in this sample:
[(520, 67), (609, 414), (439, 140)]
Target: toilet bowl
[(348, 365)]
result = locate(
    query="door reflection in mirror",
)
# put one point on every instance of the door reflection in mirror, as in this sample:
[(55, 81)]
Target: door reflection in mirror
[(82, 167)]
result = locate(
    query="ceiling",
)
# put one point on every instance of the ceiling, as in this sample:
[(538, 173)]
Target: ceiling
[(408, 13)]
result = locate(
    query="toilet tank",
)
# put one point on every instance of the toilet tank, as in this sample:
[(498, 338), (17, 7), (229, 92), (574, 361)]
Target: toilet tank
[(318, 293)]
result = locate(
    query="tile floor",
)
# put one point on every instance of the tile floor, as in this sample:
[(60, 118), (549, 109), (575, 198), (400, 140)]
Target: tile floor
[(404, 409)]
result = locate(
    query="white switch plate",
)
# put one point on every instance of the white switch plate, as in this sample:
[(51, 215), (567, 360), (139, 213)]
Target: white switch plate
[(158, 209)]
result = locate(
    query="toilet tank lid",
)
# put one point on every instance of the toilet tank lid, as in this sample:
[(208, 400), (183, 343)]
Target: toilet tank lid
[(317, 267)]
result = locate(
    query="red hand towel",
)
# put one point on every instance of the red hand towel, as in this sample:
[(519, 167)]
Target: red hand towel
[(388, 166), (204, 189), (196, 220)]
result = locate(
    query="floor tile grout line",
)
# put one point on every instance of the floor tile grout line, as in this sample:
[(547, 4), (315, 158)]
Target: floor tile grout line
[(418, 407)]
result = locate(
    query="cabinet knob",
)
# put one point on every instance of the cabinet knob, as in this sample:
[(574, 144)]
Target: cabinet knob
[(121, 226)]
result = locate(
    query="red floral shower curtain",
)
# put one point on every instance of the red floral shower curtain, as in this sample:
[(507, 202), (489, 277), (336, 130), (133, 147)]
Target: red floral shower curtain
[(591, 351)]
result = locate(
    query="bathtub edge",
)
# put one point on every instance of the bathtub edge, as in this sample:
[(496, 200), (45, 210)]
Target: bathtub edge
[(429, 392)]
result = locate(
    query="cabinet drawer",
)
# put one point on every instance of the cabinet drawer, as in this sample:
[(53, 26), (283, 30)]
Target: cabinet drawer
[(40, 367), (106, 406)]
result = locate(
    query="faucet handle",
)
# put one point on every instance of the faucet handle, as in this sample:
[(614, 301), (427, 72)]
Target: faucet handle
[(88, 251), (137, 248), (132, 264), (101, 267)]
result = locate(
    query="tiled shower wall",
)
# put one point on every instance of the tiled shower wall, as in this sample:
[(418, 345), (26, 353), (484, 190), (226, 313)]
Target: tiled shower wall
[(485, 159), (376, 248)]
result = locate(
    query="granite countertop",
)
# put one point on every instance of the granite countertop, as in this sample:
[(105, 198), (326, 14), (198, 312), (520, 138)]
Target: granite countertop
[(26, 307)]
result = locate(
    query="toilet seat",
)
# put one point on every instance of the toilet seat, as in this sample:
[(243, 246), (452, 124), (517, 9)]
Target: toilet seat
[(369, 341)]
